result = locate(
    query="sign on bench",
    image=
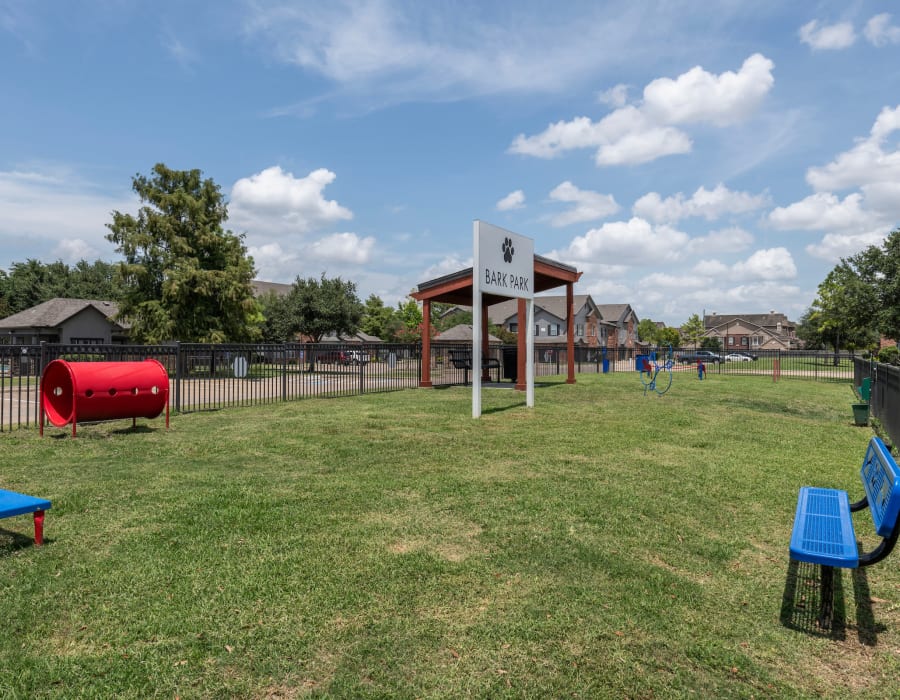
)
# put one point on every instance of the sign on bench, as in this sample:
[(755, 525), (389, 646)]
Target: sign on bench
[(12, 503), (823, 530)]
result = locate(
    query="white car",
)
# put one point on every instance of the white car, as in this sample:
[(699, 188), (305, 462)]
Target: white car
[(357, 357), (737, 357)]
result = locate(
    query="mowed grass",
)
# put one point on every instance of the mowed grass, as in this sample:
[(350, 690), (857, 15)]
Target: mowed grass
[(602, 544)]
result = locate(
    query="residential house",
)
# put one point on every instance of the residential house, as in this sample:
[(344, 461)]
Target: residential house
[(624, 322), (606, 325), (67, 321), (736, 332)]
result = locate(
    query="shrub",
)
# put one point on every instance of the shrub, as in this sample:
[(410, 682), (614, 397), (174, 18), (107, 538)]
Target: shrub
[(889, 355)]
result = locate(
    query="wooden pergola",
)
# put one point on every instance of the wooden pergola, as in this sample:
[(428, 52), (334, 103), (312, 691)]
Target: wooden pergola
[(457, 288)]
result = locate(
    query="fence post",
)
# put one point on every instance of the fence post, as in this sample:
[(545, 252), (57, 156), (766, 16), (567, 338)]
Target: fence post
[(178, 376), (284, 369)]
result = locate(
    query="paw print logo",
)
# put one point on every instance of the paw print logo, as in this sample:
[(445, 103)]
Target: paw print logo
[(507, 249)]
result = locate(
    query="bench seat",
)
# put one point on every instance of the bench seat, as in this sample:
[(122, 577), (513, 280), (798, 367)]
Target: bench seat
[(462, 359), (823, 529), (13, 503)]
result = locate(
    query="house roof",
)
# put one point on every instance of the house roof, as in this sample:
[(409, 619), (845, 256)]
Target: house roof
[(552, 304), (260, 288), (614, 312), (358, 337), (461, 333), (53, 313), (769, 320)]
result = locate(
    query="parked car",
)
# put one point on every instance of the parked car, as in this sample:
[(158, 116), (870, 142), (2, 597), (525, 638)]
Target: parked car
[(737, 357), (706, 356), (356, 357)]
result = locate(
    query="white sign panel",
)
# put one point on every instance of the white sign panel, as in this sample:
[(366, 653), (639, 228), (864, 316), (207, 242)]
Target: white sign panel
[(505, 262)]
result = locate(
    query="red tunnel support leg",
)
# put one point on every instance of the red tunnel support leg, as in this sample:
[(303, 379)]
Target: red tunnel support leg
[(39, 527)]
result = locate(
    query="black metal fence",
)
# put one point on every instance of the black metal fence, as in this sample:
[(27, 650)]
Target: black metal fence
[(204, 377), (884, 397)]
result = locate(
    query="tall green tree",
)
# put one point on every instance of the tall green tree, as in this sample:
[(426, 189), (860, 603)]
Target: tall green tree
[(648, 331), (379, 320), (693, 330), (669, 336), (845, 310), (879, 268), (318, 307), (184, 276), (411, 322)]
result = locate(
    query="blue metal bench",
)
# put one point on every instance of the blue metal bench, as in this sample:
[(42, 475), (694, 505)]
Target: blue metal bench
[(823, 531), (12, 503)]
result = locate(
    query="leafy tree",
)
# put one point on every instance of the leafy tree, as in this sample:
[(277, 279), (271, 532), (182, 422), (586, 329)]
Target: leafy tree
[(879, 268), (842, 312), (669, 336), (442, 322), (378, 320), (808, 332), (411, 322), (693, 330), (648, 331), (185, 277), (711, 343), (318, 307), (33, 282)]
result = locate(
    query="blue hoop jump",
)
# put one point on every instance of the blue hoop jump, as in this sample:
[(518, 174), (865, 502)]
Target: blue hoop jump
[(650, 374)]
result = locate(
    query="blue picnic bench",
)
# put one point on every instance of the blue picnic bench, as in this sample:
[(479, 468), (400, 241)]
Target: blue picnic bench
[(823, 531), (12, 503)]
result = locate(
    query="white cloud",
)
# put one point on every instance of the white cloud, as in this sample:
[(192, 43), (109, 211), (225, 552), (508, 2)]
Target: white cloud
[(274, 202), (588, 205), (710, 204), (880, 32), (821, 212), (701, 97), (514, 200), (769, 264), (397, 51), (835, 246), (728, 240), (74, 249), (633, 242), (54, 210), (616, 96), (343, 248), (446, 266), (635, 134), (866, 163), (827, 37), (273, 263)]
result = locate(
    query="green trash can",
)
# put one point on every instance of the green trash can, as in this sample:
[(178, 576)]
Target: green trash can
[(861, 413)]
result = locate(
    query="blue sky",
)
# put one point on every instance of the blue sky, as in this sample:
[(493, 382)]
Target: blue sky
[(687, 156)]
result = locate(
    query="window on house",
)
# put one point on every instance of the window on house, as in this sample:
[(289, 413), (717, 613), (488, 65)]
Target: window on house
[(552, 329), (755, 341), (744, 341), (87, 341), (579, 330), (731, 340), (513, 327), (537, 329)]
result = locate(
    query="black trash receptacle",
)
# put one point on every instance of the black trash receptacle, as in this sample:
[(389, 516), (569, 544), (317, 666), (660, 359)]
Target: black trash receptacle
[(511, 363)]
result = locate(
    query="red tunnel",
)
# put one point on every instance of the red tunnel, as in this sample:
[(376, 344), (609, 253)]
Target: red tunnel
[(92, 391)]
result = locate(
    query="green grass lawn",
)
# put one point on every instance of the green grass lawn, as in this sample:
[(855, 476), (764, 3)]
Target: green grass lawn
[(603, 544)]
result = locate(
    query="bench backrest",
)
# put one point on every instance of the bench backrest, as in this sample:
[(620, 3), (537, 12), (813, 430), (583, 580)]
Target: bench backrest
[(461, 359), (881, 479)]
